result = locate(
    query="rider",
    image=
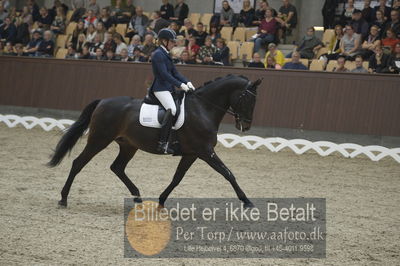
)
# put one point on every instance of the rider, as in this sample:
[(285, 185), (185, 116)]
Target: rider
[(166, 78)]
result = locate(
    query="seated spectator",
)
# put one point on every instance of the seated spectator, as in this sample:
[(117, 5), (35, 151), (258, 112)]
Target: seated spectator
[(185, 59), (27, 16), (359, 65), (206, 52), (45, 20), (340, 67), (347, 14), (309, 45), (226, 14), (222, 54), (78, 8), (138, 23), (200, 34), (93, 6), (247, 14), (383, 8), (9, 49), (372, 41), (100, 29), (288, 15), (58, 25), (350, 43), (78, 46), (19, 50), (368, 12), (394, 24), (119, 41), (379, 62), (175, 27), (276, 54), (8, 31), (98, 54), (124, 56), (3, 13), (90, 19), (266, 31), (105, 17), (396, 5), (390, 41), (110, 56), (46, 47), (380, 22), (85, 54), (394, 66), (137, 57), (295, 64), (189, 29), (179, 48), (109, 43), (271, 63), (58, 4), (360, 26), (193, 48), (166, 10), (148, 46), (90, 33), (214, 33), (79, 29), (158, 22), (181, 12), (70, 52), (256, 61), (33, 45), (135, 43), (97, 43), (334, 45), (22, 34)]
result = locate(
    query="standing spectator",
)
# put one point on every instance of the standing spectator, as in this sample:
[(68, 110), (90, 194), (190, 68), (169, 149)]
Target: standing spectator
[(78, 8), (34, 9), (189, 29), (222, 55), (394, 24), (124, 56), (200, 34), (370, 43), (94, 7), (110, 56), (79, 29), (359, 65), (33, 45), (44, 20), (58, 25), (271, 63), (8, 31), (138, 23), (90, 33), (166, 10), (384, 8), (193, 48), (350, 43), (390, 41), (247, 14), (368, 12), (276, 54), (135, 42), (309, 45), (295, 64), (22, 31), (120, 43), (27, 16), (181, 12), (394, 66), (288, 14), (109, 43), (328, 13), (105, 17), (46, 47), (99, 54), (256, 61), (185, 59), (340, 67), (117, 13), (129, 11), (148, 46), (206, 52), (347, 14), (360, 26), (90, 19), (266, 31), (158, 22), (214, 33), (379, 62), (380, 22), (226, 15)]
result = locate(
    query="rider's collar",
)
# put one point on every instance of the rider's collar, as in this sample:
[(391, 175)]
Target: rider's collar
[(165, 49)]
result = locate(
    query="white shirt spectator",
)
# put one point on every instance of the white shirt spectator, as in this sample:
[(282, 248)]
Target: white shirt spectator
[(120, 46)]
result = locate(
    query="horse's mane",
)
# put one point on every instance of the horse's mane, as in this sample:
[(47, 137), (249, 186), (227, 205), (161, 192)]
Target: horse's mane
[(207, 84)]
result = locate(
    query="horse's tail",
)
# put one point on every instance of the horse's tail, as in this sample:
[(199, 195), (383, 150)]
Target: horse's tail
[(69, 139)]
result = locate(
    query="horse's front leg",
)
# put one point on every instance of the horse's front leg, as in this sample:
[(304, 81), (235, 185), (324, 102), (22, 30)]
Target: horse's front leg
[(183, 166), (212, 159)]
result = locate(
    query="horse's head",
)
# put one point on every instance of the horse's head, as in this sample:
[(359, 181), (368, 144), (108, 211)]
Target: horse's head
[(243, 102)]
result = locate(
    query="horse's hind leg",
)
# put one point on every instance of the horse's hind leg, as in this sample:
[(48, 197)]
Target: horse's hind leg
[(126, 152), (92, 147)]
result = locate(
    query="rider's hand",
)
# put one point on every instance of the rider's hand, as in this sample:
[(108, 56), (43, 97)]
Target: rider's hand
[(190, 85), (184, 87)]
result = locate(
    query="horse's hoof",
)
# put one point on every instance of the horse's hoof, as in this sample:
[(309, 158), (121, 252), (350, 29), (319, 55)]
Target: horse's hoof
[(248, 205), (138, 200), (62, 204)]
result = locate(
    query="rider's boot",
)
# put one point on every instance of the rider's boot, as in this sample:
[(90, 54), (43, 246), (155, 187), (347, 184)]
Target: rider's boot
[(166, 126)]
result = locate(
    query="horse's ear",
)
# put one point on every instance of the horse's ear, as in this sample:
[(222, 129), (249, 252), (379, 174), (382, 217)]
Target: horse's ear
[(258, 82)]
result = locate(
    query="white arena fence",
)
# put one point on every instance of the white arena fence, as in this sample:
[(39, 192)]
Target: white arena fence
[(299, 146)]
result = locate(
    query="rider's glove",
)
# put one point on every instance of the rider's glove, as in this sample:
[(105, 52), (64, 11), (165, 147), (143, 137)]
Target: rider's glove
[(184, 87), (190, 85)]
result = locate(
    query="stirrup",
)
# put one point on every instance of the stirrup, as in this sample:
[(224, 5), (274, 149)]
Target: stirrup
[(164, 148)]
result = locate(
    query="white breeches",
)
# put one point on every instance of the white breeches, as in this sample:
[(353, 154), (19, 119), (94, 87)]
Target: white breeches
[(166, 100)]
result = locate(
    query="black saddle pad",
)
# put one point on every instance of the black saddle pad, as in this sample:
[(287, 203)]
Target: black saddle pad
[(152, 99)]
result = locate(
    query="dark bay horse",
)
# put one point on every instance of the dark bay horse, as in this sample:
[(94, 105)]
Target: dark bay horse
[(117, 119)]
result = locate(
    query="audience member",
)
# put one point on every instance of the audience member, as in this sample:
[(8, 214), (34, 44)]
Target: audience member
[(214, 33), (394, 66), (138, 23), (78, 46), (100, 29), (359, 65), (396, 5), (179, 48), (380, 22), (8, 31), (135, 43), (260, 12), (58, 25), (99, 54), (288, 15), (394, 24), (295, 64), (368, 12), (185, 59), (200, 34), (370, 43), (379, 62), (148, 46), (309, 45), (92, 5), (390, 41), (206, 52), (109, 43), (116, 12), (166, 10), (385, 9), (189, 29), (158, 22), (9, 49), (119, 41), (222, 54), (33, 45), (193, 48), (90, 33), (175, 27), (334, 45), (79, 29), (78, 8), (129, 10), (271, 63), (137, 57), (110, 56), (226, 15), (44, 21), (247, 14), (350, 43), (19, 50), (347, 14), (276, 54), (85, 54), (97, 43), (340, 65), (3, 14), (22, 34), (124, 56), (46, 46), (181, 12), (359, 24), (90, 19), (27, 16), (106, 18), (256, 61), (328, 13), (266, 31), (70, 52)]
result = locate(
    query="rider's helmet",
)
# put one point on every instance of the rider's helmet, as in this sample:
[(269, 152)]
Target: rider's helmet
[(167, 34)]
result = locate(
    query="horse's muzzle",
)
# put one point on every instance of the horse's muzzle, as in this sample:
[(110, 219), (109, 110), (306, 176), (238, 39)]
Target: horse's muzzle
[(243, 125)]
